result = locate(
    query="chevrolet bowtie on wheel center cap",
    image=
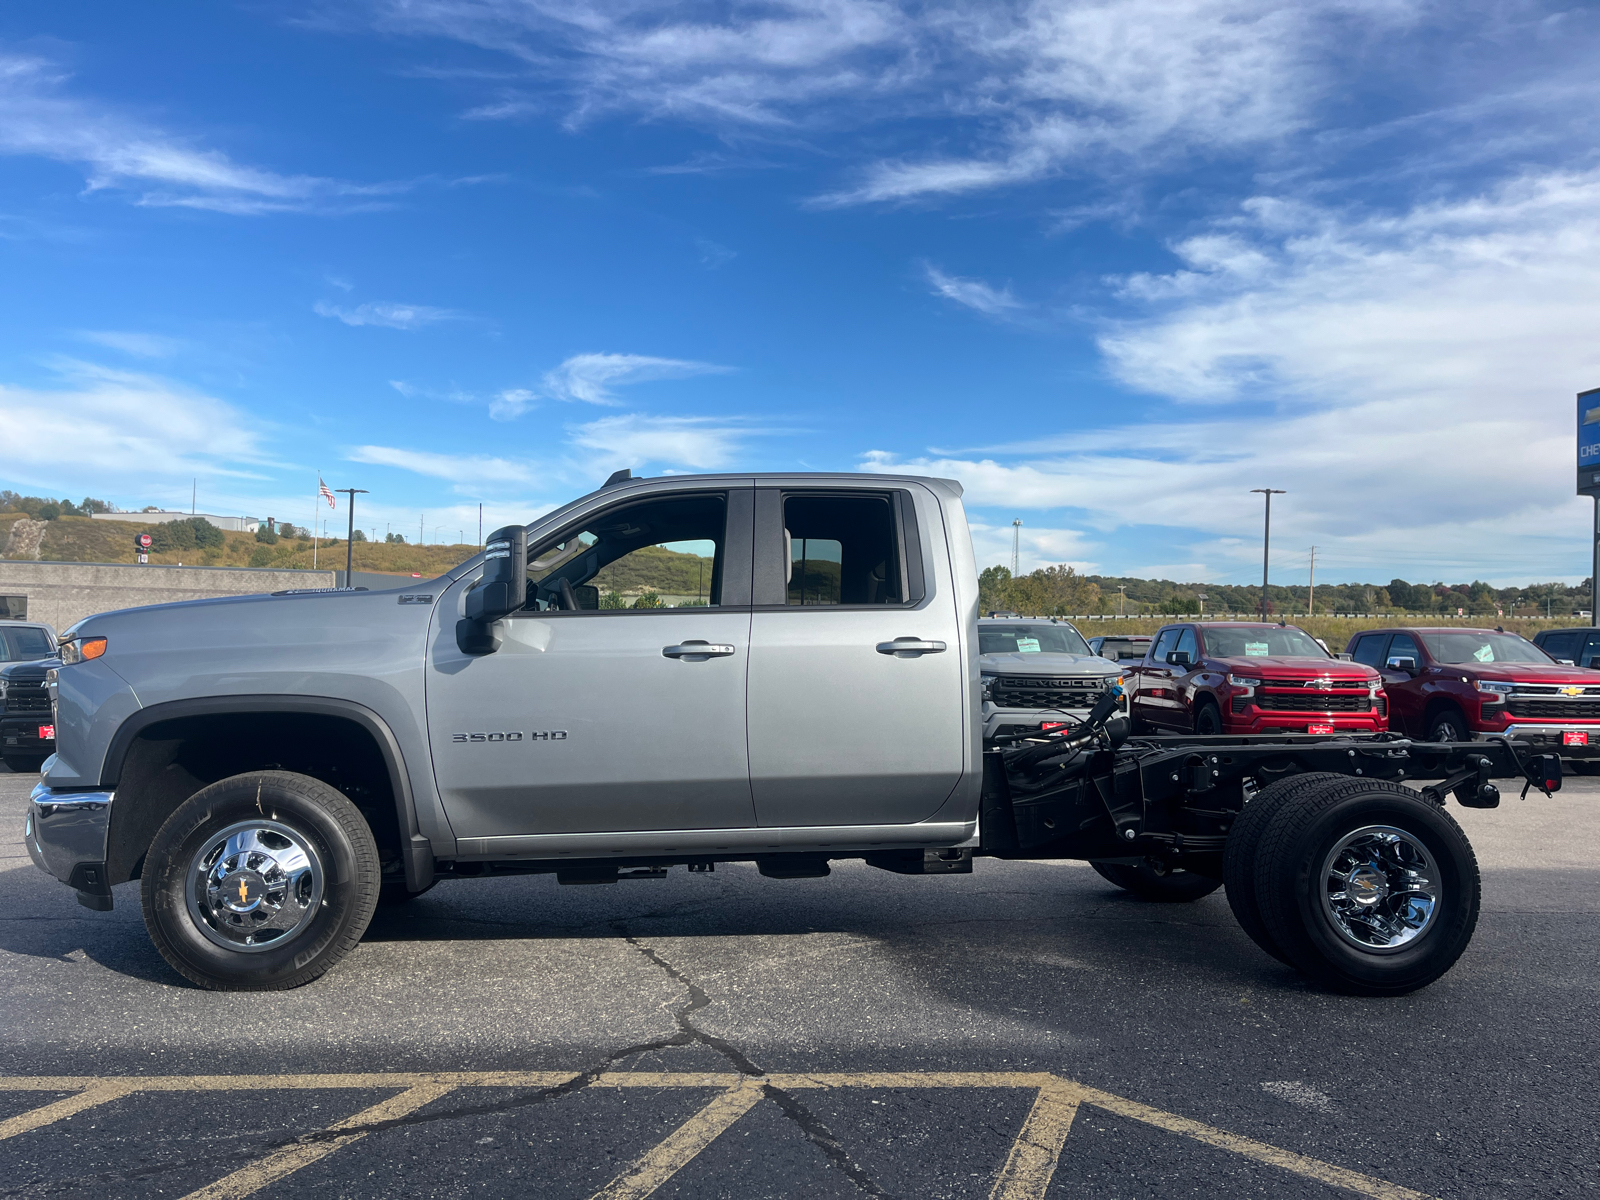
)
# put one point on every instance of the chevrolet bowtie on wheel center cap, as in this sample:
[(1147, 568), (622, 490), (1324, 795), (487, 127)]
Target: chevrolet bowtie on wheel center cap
[(254, 885), (1381, 892)]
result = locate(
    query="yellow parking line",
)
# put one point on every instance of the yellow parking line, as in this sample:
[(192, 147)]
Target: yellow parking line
[(249, 1180), (1033, 1157), (97, 1092), (681, 1145), (1300, 1164)]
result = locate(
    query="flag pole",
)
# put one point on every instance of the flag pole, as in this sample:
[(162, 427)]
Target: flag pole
[(315, 499)]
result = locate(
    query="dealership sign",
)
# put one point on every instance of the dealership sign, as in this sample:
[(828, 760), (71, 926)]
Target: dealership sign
[(1589, 443)]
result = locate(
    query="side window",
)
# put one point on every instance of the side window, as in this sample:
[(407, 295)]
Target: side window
[(1404, 646), (1561, 645), (1167, 641), (1186, 644), (841, 550), (1369, 649), (666, 552), (1591, 648)]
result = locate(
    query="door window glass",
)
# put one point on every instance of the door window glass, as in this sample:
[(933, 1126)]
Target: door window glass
[(1404, 646), (1165, 642), (1187, 646), (662, 553), (1561, 645), (1591, 649), (841, 550), (1369, 649)]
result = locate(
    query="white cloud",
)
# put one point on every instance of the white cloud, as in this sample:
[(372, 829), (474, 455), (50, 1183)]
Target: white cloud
[(39, 118), (590, 377), (141, 345), (698, 443), (973, 293), (388, 314), (119, 428), (458, 468)]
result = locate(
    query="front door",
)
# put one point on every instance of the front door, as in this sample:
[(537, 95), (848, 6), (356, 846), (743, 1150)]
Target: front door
[(1406, 690), (610, 718), (1155, 701), (844, 728)]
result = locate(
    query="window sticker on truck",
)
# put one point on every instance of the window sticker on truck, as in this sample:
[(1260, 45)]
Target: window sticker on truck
[(1256, 649), (1027, 645)]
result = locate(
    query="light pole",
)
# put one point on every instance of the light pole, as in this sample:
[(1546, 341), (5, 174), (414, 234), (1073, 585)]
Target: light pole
[(350, 537), (1016, 545), (1266, 542), (1122, 591), (1202, 604)]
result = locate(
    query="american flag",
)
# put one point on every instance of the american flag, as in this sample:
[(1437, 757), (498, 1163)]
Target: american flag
[(326, 494)]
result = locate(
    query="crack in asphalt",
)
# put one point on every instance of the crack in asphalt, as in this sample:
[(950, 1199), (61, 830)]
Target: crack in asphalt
[(809, 1124)]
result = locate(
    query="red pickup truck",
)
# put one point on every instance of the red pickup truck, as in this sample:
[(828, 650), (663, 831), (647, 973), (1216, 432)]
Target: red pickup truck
[(1249, 677), (1454, 685)]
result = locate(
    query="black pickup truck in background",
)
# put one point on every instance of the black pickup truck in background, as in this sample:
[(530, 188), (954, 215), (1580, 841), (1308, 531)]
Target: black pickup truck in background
[(27, 730)]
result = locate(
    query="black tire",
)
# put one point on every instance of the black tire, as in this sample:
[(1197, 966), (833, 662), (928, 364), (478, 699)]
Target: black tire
[(332, 833), (1239, 856), (1152, 880), (23, 766), (1293, 891), (1207, 718), (1447, 725)]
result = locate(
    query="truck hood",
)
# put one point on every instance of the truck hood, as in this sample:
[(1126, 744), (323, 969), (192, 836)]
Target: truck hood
[(28, 672), (1523, 673), (1047, 664), (1286, 667)]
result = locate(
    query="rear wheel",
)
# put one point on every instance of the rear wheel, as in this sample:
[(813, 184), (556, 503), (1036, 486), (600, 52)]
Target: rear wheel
[(1239, 857), (260, 882), (1367, 887), (1153, 879)]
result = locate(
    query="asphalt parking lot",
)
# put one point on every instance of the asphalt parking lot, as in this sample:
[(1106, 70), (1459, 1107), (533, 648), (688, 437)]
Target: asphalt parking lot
[(1024, 1031)]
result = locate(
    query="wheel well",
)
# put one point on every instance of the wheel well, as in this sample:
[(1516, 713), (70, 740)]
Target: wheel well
[(170, 761), (1441, 705)]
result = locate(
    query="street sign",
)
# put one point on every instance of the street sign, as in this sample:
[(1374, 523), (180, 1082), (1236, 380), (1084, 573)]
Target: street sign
[(145, 541), (1589, 443)]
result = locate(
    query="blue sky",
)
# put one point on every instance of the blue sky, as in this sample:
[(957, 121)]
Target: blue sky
[(1109, 264)]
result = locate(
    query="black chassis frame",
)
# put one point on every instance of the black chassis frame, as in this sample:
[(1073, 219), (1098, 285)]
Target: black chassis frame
[(1176, 798)]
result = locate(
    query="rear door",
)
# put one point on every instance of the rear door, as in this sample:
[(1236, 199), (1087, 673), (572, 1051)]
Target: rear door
[(845, 729)]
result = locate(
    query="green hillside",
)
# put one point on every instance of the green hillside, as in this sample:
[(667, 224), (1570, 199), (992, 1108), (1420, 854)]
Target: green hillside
[(656, 569)]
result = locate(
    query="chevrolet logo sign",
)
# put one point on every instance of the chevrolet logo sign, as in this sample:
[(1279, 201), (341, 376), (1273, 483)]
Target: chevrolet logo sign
[(1323, 684), (1571, 691)]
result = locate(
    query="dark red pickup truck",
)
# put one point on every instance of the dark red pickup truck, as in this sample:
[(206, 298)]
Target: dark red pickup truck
[(1248, 677), (1454, 685)]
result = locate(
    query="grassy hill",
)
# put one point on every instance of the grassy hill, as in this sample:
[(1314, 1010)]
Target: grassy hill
[(81, 539), (655, 569)]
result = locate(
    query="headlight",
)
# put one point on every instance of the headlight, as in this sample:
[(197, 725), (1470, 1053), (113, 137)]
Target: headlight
[(81, 650), (1243, 681), (988, 682), (1499, 689)]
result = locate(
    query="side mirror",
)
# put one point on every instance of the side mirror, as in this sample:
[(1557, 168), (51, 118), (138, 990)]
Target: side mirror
[(588, 596), (502, 590), (1403, 663), (1178, 658)]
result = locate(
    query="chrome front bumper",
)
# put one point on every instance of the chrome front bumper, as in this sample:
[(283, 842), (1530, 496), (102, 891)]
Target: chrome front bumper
[(65, 833)]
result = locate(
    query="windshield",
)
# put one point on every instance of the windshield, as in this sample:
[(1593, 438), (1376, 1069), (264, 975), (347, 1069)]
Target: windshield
[(1473, 647), (25, 643), (1030, 639), (1257, 641)]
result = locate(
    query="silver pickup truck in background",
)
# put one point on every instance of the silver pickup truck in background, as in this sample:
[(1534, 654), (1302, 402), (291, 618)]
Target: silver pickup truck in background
[(781, 669)]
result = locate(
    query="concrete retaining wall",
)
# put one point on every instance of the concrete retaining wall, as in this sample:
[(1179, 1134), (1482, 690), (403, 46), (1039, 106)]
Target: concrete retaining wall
[(61, 594)]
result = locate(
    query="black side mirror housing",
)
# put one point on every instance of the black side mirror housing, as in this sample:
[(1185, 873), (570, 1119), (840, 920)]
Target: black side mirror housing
[(1178, 658), (502, 590)]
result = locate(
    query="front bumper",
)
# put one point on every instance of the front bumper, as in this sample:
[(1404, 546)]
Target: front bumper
[(997, 719), (65, 833), (1287, 722), (1547, 735), (19, 736)]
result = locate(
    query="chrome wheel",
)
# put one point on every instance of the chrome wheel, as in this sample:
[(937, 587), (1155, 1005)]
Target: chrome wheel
[(1381, 889), (254, 886)]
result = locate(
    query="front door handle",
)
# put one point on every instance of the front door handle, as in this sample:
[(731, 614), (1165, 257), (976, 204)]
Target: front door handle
[(695, 650), (910, 647)]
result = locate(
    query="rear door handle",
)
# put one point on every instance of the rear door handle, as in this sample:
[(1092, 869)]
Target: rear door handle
[(910, 647), (697, 651)]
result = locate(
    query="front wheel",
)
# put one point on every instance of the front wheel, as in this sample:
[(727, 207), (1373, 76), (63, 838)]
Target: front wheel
[(260, 882), (1367, 887), (1153, 879), (1208, 719), (1447, 726)]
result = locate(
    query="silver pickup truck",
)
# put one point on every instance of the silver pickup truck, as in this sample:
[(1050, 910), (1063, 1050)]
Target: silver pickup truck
[(685, 671)]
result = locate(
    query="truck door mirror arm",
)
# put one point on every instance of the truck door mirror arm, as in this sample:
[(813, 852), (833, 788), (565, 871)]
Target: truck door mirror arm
[(502, 590)]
